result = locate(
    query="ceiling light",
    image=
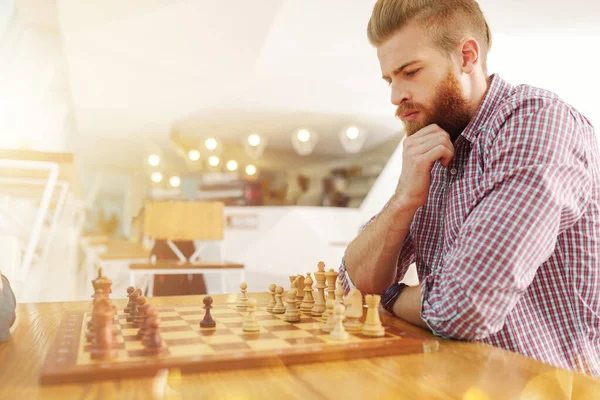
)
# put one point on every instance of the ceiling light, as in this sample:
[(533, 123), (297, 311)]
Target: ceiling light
[(153, 160), (250, 169), (194, 155), (157, 177), (254, 140), (352, 133), (213, 161), (303, 136), (175, 181), (232, 165), (211, 144)]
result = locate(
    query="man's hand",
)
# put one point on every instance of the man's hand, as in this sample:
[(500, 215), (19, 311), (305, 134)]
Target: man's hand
[(420, 151)]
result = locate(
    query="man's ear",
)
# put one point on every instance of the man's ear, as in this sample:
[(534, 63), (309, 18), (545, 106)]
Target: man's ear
[(470, 55)]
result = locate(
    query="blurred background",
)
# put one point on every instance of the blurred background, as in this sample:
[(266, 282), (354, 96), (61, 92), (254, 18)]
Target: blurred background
[(272, 110)]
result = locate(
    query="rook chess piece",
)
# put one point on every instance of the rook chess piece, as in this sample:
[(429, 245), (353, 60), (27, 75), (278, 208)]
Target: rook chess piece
[(338, 332), (250, 324), (242, 301), (292, 314), (373, 327), (279, 307), (272, 302), (319, 306), (354, 311), (328, 322), (207, 322), (308, 301)]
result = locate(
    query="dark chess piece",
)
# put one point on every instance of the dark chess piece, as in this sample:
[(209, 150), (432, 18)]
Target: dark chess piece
[(133, 311), (152, 340), (130, 290), (207, 322), (149, 312), (139, 318), (105, 342)]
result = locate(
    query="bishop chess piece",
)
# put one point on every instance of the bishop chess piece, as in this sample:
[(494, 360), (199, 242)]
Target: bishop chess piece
[(292, 314), (279, 307), (242, 301), (338, 332), (331, 277), (373, 327), (250, 324), (272, 302), (339, 294), (153, 341), (328, 322), (130, 290), (105, 342), (354, 311), (207, 322), (308, 302), (319, 307)]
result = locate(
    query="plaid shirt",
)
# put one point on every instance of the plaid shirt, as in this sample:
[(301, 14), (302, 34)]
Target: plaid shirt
[(507, 246)]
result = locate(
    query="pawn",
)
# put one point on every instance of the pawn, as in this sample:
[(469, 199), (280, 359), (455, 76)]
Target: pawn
[(328, 322), (272, 302), (250, 324), (338, 332), (242, 301), (207, 322), (130, 290), (151, 314), (133, 309), (146, 310), (279, 307), (153, 343), (139, 317), (105, 343), (292, 314)]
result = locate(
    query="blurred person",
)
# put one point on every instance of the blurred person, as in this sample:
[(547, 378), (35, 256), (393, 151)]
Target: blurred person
[(8, 304)]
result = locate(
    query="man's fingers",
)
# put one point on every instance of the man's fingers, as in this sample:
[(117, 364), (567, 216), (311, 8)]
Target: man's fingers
[(439, 152)]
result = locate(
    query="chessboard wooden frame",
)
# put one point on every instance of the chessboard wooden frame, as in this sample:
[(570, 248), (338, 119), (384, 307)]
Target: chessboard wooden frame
[(61, 362)]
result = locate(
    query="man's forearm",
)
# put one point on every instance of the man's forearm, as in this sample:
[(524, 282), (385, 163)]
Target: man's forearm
[(408, 307), (371, 259)]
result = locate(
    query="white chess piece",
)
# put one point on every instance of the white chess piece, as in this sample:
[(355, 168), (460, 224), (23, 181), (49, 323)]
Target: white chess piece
[(250, 324), (242, 301), (338, 332), (354, 311), (292, 314)]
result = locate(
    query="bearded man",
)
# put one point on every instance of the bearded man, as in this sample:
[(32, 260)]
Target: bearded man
[(498, 200)]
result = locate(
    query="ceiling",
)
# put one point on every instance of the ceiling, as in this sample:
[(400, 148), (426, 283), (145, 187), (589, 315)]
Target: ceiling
[(137, 69)]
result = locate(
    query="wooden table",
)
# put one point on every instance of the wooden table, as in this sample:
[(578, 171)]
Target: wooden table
[(465, 371)]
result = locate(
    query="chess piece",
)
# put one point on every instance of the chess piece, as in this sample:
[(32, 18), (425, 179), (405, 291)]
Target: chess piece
[(207, 322), (242, 301), (373, 327), (354, 311), (299, 289), (250, 324), (328, 322), (139, 317), (150, 314), (293, 282), (153, 341), (100, 303), (105, 342), (308, 301), (331, 277), (145, 310), (338, 332), (292, 314), (339, 294), (272, 302), (98, 294), (279, 307), (103, 283), (130, 290), (319, 306), (133, 311)]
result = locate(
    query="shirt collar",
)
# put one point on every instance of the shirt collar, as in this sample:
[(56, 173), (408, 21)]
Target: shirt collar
[(497, 90)]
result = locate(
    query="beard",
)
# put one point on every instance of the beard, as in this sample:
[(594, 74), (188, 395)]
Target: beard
[(449, 109)]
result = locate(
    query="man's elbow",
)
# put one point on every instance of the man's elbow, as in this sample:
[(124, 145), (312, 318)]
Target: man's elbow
[(466, 325)]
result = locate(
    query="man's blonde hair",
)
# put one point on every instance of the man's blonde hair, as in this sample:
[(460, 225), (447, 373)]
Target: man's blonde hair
[(446, 21)]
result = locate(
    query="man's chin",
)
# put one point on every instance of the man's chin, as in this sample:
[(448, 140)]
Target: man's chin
[(413, 127)]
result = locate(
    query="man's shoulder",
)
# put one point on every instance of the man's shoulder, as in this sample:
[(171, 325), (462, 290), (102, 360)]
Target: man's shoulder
[(527, 100)]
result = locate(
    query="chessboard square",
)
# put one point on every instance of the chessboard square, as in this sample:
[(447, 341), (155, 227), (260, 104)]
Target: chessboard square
[(189, 308), (328, 339), (137, 345), (303, 341), (184, 342), (167, 314), (219, 328), (225, 320), (230, 347), (173, 318), (220, 339), (307, 326), (269, 344), (269, 317), (179, 335), (226, 311), (188, 317), (262, 313), (175, 328), (285, 327), (292, 334), (129, 332), (191, 350), (274, 322), (173, 323)]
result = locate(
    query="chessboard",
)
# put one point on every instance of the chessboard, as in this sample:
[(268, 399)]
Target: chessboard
[(190, 348)]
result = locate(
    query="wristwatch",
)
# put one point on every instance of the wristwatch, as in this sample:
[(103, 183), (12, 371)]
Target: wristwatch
[(389, 297)]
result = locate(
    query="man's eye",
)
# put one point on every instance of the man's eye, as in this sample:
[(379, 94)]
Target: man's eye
[(413, 72)]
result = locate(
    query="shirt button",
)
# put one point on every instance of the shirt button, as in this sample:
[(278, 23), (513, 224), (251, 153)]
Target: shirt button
[(453, 171)]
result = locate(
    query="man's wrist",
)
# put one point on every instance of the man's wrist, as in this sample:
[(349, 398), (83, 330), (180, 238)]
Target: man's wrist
[(390, 296)]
